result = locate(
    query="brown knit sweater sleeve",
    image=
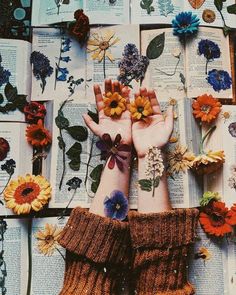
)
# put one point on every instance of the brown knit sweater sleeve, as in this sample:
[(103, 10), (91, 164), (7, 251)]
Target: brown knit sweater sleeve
[(161, 242), (98, 251)]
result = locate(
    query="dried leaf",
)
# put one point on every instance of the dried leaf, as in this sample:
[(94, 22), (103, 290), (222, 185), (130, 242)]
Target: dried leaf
[(156, 46)]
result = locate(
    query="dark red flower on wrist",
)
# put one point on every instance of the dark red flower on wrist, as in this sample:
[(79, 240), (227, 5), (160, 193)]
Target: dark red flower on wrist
[(4, 148), (34, 111), (113, 151), (79, 28)]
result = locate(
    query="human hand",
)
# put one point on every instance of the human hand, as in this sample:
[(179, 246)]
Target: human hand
[(155, 130), (111, 125)]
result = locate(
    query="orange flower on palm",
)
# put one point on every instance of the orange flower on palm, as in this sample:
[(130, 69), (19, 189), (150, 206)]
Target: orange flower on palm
[(37, 135), (141, 108), (114, 104), (206, 108)]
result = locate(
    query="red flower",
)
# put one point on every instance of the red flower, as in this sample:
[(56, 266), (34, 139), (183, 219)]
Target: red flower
[(37, 135), (4, 148), (215, 219), (231, 216), (34, 111), (80, 29)]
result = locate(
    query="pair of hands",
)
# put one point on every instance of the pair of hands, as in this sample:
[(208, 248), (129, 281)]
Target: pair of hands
[(155, 131)]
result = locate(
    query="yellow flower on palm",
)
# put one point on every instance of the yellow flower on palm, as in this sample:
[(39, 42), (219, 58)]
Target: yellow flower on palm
[(48, 239), (114, 104), (27, 193), (141, 108)]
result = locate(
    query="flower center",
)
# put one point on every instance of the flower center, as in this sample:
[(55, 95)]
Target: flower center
[(118, 206), (27, 191), (114, 104), (104, 45), (184, 25), (39, 135), (179, 157), (205, 108), (217, 219), (49, 239), (140, 109), (114, 150)]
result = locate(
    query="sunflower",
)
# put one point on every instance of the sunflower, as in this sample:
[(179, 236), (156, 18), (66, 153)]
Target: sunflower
[(114, 104), (47, 239), (27, 193), (209, 162), (141, 108), (214, 219), (37, 135), (206, 108), (179, 159)]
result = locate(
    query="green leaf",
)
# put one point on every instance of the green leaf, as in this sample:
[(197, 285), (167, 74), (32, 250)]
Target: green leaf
[(62, 122), (94, 186), (1, 98), (96, 172), (232, 9), (10, 92), (61, 142), (79, 133), (94, 116), (226, 30), (156, 181), (74, 152), (156, 46), (74, 165), (219, 4), (145, 184)]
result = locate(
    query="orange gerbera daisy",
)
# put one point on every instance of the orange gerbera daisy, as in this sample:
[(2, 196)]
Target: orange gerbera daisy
[(114, 104), (37, 135), (141, 108), (231, 216), (27, 193), (206, 108), (215, 219)]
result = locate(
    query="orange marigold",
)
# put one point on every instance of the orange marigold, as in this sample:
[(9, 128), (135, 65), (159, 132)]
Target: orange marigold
[(37, 135), (114, 104), (206, 108), (141, 108)]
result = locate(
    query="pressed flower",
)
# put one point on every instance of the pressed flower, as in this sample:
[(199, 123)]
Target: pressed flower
[(209, 162), (4, 148), (4, 74), (203, 253), (185, 23), (209, 49), (140, 108), (232, 179), (176, 52), (231, 216), (113, 151), (27, 193), (226, 115), (173, 139), (208, 16), (232, 129), (114, 104), (208, 197), (34, 111), (206, 108), (214, 219), (9, 166), (116, 206), (172, 102), (219, 79), (154, 163), (37, 135), (179, 159), (74, 183), (48, 239)]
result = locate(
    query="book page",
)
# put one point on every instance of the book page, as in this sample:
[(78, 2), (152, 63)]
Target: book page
[(107, 11), (16, 58), (46, 12), (47, 271), (231, 268), (66, 58), (118, 37), (16, 256), (163, 73), (14, 133), (196, 64)]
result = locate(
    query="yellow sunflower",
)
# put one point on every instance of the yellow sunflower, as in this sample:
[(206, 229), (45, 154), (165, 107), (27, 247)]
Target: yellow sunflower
[(179, 159), (209, 162), (99, 45), (114, 104), (141, 108), (48, 239), (27, 193)]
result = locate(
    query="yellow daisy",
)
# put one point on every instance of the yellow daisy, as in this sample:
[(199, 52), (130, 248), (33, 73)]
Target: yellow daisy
[(27, 193), (141, 108), (114, 104)]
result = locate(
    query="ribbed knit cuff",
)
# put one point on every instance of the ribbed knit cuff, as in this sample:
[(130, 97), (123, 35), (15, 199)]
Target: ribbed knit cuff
[(96, 238), (165, 229)]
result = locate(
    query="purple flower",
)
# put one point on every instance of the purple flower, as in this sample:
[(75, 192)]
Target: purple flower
[(63, 74), (219, 79), (116, 206), (4, 74), (9, 166), (65, 58), (74, 183), (209, 49), (66, 45), (232, 129), (185, 24), (113, 150), (132, 65)]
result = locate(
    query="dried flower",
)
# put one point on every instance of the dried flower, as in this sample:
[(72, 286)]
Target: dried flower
[(4, 74), (209, 49), (34, 111), (203, 253), (114, 104), (206, 108), (208, 197), (141, 108), (219, 79), (37, 135), (232, 129), (74, 183), (4, 148), (9, 166), (27, 193), (226, 115), (154, 163), (48, 239), (208, 16), (185, 24), (116, 206), (172, 102)]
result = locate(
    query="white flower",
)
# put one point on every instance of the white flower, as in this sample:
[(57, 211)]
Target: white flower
[(176, 52), (154, 163), (232, 182)]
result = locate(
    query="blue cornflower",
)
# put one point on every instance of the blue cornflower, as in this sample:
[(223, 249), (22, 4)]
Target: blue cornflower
[(63, 72), (132, 65), (116, 207), (4, 74), (219, 79), (66, 45), (185, 23), (65, 58), (209, 49)]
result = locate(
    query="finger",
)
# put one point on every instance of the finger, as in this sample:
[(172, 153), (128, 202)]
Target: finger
[(143, 92), (117, 87), (137, 94), (125, 94), (169, 119), (93, 126), (108, 85), (98, 97), (154, 102)]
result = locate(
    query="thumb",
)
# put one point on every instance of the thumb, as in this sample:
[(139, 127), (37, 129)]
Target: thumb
[(93, 126)]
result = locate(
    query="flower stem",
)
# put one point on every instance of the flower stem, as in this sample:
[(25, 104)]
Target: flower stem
[(61, 254), (58, 64), (153, 184), (64, 211), (88, 164), (63, 160), (104, 64), (204, 138), (206, 66), (170, 74), (9, 178)]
